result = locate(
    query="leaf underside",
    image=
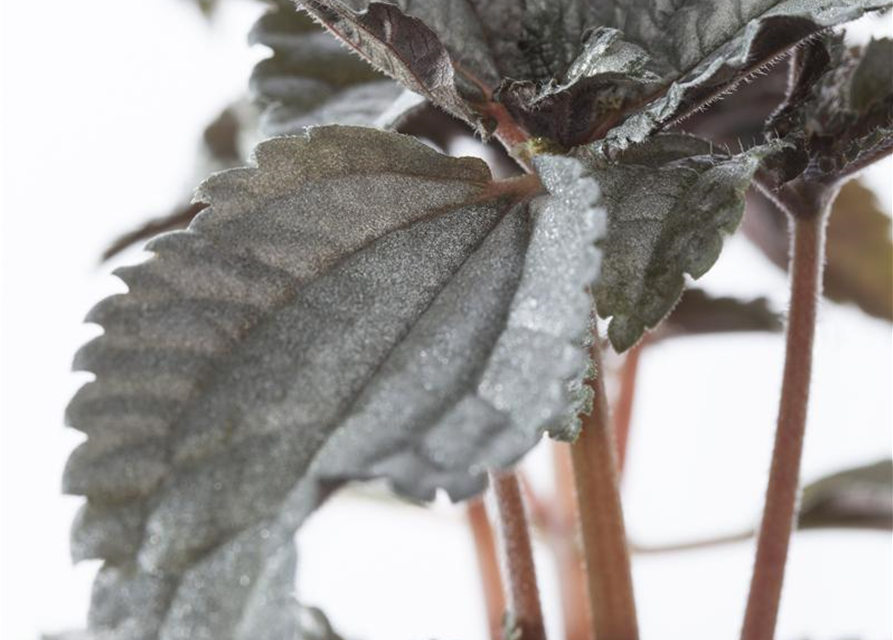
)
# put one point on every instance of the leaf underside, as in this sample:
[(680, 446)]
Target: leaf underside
[(356, 306), (669, 200)]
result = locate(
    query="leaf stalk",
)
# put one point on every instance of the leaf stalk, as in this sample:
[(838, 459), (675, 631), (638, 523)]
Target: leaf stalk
[(780, 510), (606, 551), (488, 563), (524, 599)]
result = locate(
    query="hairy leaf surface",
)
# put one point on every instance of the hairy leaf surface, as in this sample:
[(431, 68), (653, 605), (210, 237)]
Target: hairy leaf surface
[(312, 79), (356, 306), (569, 70), (842, 118), (669, 202), (858, 248)]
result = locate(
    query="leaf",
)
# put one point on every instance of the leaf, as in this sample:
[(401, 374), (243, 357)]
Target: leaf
[(738, 120), (699, 313), (570, 70), (315, 625), (310, 623), (356, 306), (207, 7), (312, 79), (840, 113), (859, 252), (858, 497), (713, 51), (859, 249), (669, 202), (402, 47)]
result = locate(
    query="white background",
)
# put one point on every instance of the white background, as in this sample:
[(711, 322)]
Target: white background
[(102, 102)]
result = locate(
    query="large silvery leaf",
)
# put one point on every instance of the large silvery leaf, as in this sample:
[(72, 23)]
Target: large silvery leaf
[(356, 306), (670, 200), (312, 79), (570, 70)]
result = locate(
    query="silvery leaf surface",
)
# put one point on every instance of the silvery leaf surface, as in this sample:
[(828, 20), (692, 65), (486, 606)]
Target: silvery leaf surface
[(670, 200), (355, 306), (291, 621), (570, 70), (312, 79), (840, 108)]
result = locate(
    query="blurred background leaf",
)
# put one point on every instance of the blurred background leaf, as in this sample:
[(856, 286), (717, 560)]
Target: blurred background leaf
[(859, 267), (857, 498), (225, 143), (699, 312), (313, 79), (861, 497), (860, 253)]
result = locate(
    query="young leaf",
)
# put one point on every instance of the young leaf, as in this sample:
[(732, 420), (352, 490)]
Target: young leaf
[(356, 306), (859, 497), (570, 70), (858, 250), (312, 79), (711, 51), (839, 109), (669, 202)]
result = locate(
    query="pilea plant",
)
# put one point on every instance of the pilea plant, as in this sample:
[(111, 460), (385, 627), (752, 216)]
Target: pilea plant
[(356, 304)]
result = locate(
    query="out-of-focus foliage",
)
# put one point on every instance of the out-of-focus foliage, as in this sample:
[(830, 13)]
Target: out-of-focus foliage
[(859, 248), (312, 79), (700, 313), (861, 497)]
